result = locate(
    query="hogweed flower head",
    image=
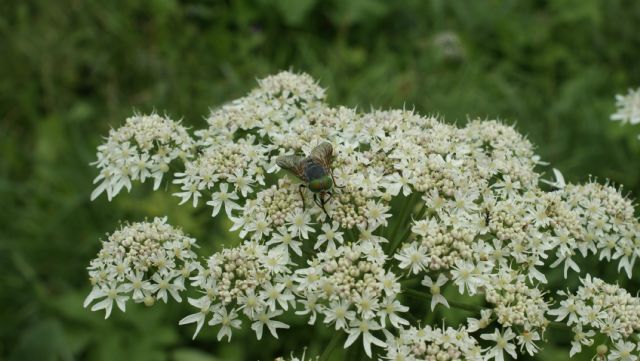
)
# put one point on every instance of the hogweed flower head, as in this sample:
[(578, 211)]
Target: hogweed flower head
[(141, 149), (144, 262), (628, 107), (464, 210)]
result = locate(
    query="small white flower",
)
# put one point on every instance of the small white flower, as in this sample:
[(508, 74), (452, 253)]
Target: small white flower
[(330, 235), (299, 224), (412, 256), (474, 324), (527, 340), (435, 289), (628, 107), (376, 213), (241, 181), (227, 320), (502, 344), (311, 307), (111, 292), (389, 308), (204, 305), (164, 284), (464, 275), (223, 197), (580, 338), (623, 351), (363, 327), (338, 312), (273, 295), (265, 319), (284, 239)]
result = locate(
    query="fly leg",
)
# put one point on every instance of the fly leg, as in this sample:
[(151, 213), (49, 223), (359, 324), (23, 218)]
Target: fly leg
[(334, 181), (320, 201), (302, 186)]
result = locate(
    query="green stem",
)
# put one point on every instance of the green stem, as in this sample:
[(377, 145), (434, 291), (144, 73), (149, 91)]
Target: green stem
[(406, 209), (400, 240), (455, 304), (350, 235), (332, 344)]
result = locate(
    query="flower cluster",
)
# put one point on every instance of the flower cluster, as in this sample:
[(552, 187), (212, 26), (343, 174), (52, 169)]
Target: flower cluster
[(599, 307), (351, 289), (433, 344), (248, 279), (218, 167), (142, 261), (608, 225), (469, 211), (141, 149), (628, 107)]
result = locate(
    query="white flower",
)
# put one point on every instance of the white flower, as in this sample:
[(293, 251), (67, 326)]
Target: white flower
[(250, 303), (474, 324), (136, 258), (376, 213), (628, 107), (227, 320), (274, 294), (527, 340), (299, 224), (363, 327), (223, 197), (389, 308), (502, 344), (435, 289), (202, 303), (284, 239), (480, 219), (464, 275), (111, 293), (623, 351), (275, 261), (412, 256), (143, 147), (366, 303), (189, 191), (241, 181), (265, 319), (580, 338), (338, 312), (398, 181), (311, 306), (164, 284), (330, 235)]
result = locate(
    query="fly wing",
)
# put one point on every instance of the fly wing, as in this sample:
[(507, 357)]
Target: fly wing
[(292, 163), (323, 154)]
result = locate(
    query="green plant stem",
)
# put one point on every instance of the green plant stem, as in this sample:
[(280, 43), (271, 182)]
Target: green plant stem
[(458, 305), (335, 339), (400, 240), (402, 218)]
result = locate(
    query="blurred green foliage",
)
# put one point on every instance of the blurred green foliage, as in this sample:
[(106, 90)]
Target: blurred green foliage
[(71, 69)]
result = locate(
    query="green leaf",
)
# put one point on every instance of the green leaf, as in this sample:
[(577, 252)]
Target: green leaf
[(192, 354), (42, 341), (294, 12)]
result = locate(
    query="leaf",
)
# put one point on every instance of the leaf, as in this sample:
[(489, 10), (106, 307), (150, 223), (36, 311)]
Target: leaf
[(294, 12), (191, 354), (42, 341)]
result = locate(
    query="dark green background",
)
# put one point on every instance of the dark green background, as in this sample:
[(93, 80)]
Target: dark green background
[(70, 70)]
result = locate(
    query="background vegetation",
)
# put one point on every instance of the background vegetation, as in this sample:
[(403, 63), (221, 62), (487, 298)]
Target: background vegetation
[(71, 69)]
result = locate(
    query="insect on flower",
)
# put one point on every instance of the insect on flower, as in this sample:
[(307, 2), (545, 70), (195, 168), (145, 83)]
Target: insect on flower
[(315, 171)]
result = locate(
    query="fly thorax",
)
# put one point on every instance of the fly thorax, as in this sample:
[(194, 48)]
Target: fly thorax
[(322, 184)]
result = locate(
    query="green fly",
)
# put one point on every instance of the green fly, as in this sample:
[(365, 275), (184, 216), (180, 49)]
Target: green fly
[(315, 172)]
